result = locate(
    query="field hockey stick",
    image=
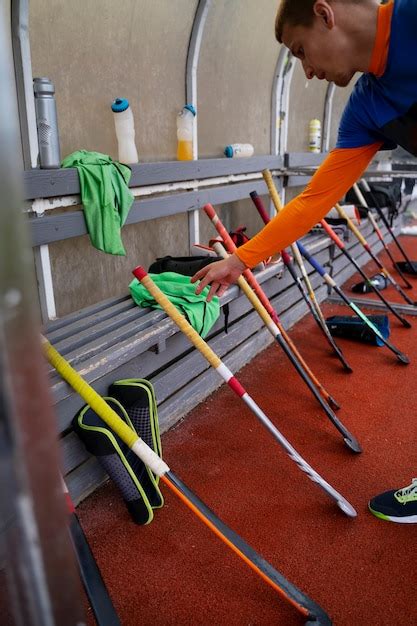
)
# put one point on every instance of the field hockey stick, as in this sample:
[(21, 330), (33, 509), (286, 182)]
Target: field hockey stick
[(329, 281), (95, 588), (380, 236), (297, 256), (348, 438), (329, 230), (235, 385), (388, 226), (231, 247), (286, 258), (367, 247), (307, 607), (300, 284)]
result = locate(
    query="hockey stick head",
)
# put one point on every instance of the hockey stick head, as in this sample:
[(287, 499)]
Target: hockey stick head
[(402, 358), (352, 444), (333, 403), (346, 508)]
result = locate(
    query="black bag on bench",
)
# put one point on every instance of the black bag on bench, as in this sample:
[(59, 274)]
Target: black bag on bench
[(185, 265)]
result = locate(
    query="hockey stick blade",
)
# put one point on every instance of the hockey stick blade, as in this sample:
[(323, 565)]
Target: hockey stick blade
[(316, 615)]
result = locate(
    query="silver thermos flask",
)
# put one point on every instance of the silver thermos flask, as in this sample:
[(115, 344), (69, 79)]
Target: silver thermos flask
[(47, 123)]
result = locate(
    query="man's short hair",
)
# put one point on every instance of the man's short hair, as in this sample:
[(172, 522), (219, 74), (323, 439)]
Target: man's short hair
[(293, 13), (296, 13)]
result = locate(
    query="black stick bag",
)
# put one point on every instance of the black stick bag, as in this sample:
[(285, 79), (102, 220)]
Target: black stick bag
[(353, 327), (137, 484), (186, 265)]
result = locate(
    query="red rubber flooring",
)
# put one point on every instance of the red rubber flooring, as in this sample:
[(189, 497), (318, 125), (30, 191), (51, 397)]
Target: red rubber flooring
[(361, 571)]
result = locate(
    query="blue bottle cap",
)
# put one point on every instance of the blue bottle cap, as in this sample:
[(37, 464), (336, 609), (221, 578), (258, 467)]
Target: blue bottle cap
[(228, 151), (190, 107), (119, 105)]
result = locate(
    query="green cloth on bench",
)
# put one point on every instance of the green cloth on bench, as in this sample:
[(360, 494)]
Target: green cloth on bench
[(178, 289), (105, 195)]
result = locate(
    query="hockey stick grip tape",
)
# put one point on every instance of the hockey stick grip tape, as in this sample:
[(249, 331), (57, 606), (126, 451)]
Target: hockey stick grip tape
[(103, 410), (251, 296), (286, 258), (210, 211), (278, 206), (359, 193), (259, 205), (329, 230), (375, 226), (247, 273), (352, 226), (311, 260), (272, 190), (176, 317), (266, 219)]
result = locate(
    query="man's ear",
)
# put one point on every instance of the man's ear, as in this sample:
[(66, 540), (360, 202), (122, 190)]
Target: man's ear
[(324, 12)]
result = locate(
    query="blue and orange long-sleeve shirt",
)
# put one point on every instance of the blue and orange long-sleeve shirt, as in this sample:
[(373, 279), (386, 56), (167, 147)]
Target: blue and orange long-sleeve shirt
[(380, 114)]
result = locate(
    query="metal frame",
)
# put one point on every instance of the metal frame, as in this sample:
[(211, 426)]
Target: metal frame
[(193, 57), (327, 117), (370, 303), (281, 84), (41, 576), (29, 139), (276, 100)]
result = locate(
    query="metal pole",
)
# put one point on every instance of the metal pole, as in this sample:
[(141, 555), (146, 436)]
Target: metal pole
[(43, 584), (193, 56), (327, 117), (29, 138)]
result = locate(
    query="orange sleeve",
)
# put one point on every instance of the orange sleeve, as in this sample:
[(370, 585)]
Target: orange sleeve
[(329, 184)]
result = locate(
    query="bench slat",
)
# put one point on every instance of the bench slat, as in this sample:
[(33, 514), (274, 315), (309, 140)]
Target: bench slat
[(78, 353), (107, 327), (93, 309), (87, 322)]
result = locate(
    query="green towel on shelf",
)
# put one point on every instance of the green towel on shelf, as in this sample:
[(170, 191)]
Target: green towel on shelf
[(178, 289), (105, 195)]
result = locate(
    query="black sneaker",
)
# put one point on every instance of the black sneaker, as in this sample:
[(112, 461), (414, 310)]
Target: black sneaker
[(397, 506)]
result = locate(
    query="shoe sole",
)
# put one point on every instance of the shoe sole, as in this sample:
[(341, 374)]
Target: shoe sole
[(411, 519)]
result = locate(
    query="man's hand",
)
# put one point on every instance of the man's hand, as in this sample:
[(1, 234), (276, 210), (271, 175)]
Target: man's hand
[(219, 276)]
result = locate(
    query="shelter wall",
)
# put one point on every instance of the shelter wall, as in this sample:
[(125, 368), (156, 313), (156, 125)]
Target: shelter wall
[(99, 50)]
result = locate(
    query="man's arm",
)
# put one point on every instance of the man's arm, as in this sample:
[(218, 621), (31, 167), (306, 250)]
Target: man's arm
[(329, 184), (332, 180)]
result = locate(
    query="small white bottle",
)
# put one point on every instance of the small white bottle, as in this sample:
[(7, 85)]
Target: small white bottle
[(237, 150), (125, 131), (314, 143), (185, 133)]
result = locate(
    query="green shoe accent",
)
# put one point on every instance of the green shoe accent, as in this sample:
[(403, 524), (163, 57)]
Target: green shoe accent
[(407, 494), (378, 514)]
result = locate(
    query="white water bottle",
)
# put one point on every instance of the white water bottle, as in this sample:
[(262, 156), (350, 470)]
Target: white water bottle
[(125, 131), (237, 150), (314, 144)]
